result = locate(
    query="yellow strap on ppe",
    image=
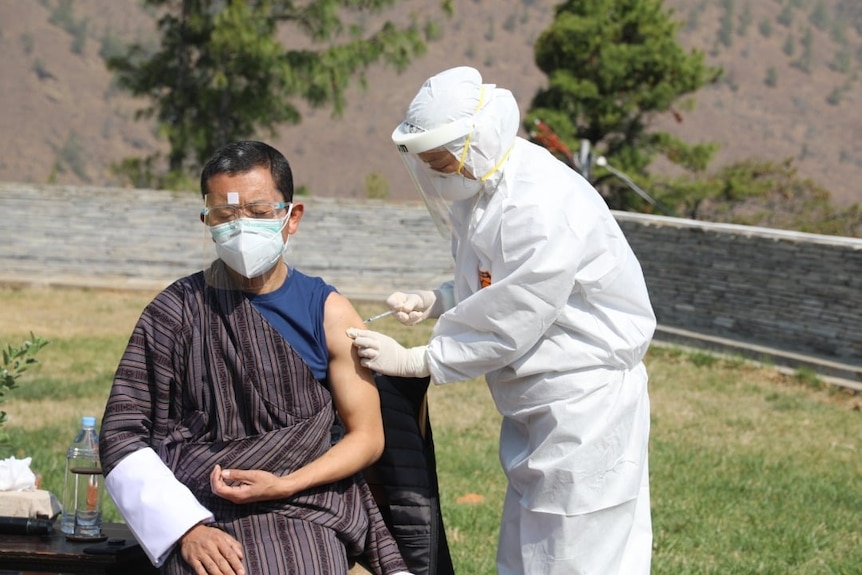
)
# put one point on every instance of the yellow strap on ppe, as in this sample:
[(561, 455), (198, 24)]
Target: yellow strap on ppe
[(463, 157)]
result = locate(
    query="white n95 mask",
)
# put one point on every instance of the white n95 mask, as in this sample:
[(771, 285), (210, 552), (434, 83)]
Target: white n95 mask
[(250, 246), (455, 187)]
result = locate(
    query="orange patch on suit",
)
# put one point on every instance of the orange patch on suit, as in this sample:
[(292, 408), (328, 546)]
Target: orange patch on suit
[(484, 278)]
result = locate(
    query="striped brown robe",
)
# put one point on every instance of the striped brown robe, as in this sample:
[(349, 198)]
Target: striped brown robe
[(206, 380)]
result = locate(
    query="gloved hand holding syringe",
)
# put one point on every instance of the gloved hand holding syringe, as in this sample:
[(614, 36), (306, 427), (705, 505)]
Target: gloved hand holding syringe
[(410, 308)]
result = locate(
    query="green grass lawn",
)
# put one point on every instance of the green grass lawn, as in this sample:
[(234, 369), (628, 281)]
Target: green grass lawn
[(752, 471)]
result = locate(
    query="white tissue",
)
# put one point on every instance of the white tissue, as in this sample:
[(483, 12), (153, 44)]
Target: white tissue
[(15, 475)]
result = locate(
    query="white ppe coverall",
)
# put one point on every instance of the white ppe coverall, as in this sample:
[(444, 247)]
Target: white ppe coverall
[(559, 329)]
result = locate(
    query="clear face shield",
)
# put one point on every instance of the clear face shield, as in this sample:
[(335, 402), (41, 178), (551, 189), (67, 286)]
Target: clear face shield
[(243, 242), (439, 190)]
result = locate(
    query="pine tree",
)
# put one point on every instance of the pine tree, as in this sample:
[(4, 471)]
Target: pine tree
[(222, 72), (612, 67)]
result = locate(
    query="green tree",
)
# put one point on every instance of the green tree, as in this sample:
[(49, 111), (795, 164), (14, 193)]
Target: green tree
[(222, 73), (763, 193), (849, 11), (725, 29), (819, 16), (771, 79), (612, 68), (745, 20), (806, 59), (376, 186), (785, 18), (789, 46)]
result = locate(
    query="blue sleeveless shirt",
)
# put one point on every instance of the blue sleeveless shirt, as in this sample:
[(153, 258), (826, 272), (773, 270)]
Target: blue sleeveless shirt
[(296, 310)]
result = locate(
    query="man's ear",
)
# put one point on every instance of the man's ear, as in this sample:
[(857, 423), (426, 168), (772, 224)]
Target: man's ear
[(295, 215)]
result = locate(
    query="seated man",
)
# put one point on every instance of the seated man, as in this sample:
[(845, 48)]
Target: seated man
[(216, 441)]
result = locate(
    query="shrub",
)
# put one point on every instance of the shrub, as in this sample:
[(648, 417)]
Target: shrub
[(16, 360)]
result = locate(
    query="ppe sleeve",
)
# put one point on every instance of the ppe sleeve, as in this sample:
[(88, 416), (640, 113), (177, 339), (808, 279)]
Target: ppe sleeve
[(445, 299), (157, 508)]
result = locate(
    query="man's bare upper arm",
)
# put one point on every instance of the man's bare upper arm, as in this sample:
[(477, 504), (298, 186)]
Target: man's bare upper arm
[(353, 389)]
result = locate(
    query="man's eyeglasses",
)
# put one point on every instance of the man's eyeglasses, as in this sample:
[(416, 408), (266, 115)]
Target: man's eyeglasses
[(258, 211)]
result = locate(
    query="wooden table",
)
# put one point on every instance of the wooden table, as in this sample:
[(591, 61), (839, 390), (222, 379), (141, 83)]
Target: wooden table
[(54, 554)]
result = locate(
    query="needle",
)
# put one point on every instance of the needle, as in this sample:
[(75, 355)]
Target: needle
[(378, 316)]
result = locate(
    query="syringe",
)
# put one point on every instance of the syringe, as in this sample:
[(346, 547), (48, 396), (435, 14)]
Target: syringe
[(378, 316)]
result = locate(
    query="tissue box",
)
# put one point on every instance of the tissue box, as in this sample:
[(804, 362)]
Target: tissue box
[(34, 503)]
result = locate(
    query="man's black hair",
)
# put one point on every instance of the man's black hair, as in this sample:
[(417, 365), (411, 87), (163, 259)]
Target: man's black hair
[(244, 156)]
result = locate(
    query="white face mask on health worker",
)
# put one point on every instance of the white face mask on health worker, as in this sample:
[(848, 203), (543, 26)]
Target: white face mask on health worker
[(250, 246), (455, 187)]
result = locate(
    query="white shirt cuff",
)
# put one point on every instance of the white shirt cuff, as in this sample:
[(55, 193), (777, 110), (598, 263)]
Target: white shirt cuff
[(157, 508)]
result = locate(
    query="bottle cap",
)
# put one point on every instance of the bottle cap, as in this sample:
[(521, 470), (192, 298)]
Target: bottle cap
[(88, 421)]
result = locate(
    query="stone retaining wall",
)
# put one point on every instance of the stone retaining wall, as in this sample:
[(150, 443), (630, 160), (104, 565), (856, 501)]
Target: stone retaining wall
[(793, 297), (780, 294)]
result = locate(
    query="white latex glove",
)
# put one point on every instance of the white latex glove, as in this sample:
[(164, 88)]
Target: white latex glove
[(385, 355), (412, 307)]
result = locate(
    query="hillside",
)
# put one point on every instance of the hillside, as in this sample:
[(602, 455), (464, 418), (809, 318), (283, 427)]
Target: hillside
[(65, 122)]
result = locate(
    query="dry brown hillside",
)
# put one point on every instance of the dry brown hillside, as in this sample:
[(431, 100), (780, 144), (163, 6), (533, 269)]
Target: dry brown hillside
[(64, 122)]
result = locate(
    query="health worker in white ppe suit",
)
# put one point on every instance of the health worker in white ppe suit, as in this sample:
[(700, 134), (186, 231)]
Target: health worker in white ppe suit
[(549, 303)]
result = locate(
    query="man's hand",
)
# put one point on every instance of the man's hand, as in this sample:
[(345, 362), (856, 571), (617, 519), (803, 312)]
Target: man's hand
[(245, 485), (385, 355), (412, 307), (211, 551)]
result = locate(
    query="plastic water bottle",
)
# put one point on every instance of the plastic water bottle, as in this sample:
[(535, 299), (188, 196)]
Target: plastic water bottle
[(82, 489)]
